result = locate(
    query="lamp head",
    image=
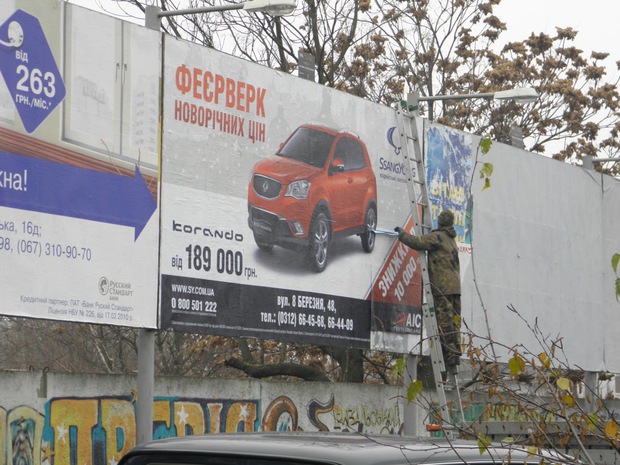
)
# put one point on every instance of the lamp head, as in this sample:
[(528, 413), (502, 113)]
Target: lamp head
[(272, 7), (523, 95)]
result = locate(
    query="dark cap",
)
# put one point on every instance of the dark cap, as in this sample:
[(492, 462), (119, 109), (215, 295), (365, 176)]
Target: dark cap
[(446, 218)]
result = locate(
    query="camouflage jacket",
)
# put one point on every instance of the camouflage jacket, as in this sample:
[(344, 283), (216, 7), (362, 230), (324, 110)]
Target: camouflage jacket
[(443, 258)]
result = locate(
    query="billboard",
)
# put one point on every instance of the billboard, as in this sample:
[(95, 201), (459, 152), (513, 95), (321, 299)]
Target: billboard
[(271, 188), (78, 212), (450, 161)]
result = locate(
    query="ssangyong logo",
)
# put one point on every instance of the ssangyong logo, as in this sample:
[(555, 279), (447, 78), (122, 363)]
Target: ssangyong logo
[(104, 286), (395, 167), (390, 139)]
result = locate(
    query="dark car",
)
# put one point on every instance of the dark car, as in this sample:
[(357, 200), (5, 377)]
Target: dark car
[(324, 449), (319, 185)]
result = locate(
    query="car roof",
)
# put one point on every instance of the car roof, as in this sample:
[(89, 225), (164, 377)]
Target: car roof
[(322, 127), (335, 448)]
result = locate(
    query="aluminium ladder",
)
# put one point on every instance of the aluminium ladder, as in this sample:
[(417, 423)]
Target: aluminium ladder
[(423, 223)]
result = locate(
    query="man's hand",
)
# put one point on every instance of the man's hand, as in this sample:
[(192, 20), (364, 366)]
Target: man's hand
[(398, 229)]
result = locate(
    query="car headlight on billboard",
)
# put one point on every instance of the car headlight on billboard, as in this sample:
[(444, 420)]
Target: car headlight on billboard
[(298, 189)]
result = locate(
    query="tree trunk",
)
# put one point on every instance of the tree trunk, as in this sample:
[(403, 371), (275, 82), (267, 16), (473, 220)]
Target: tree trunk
[(304, 372)]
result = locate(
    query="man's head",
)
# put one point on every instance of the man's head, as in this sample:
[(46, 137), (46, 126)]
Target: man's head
[(446, 218)]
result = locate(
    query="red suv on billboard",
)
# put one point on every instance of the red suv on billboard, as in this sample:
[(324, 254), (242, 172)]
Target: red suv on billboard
[(318, 186)]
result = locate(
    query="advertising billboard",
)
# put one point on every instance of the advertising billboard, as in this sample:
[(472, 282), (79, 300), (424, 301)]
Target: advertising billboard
[(78, 216), (272, 188)]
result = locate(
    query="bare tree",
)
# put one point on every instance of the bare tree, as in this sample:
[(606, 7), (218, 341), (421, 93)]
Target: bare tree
[(446, 47), (383, 49)]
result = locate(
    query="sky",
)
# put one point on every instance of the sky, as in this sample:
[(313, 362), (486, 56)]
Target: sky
[(595, 20)]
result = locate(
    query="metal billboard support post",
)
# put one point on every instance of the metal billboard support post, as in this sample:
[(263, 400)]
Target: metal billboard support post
[(410, 410), (146, 386)]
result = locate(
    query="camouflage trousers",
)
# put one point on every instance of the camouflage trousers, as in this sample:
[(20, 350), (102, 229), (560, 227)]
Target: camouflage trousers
[(448, 311)]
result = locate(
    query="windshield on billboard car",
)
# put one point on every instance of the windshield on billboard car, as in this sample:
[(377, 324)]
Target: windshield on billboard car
[(308, 146)]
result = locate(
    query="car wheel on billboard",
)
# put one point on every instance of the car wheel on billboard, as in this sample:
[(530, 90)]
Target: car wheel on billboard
[(370, 224), (318, 241)]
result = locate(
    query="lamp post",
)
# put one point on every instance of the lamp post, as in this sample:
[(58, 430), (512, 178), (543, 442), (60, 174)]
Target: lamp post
[(521, 95), (146, 342), (153, 14)]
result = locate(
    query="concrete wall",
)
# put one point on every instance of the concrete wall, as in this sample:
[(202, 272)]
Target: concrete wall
[(64, 419), (76, 419)]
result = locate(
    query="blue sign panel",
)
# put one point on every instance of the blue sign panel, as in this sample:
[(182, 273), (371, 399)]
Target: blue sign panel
[(47, 187), (29, 70)]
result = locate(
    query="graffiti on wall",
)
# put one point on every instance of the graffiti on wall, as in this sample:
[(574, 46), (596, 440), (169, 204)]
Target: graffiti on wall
[(100, 430)]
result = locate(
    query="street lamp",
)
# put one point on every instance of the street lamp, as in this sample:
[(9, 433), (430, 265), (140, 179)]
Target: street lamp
[(523, 95), (154, 14)]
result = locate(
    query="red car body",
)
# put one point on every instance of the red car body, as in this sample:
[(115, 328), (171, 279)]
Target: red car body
[(318, 186)]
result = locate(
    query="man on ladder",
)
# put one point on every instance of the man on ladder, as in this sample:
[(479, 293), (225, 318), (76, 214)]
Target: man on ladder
[(445, 280)]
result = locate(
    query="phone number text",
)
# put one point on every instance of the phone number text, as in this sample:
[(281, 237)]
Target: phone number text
[(294, 320), (44, 249)]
